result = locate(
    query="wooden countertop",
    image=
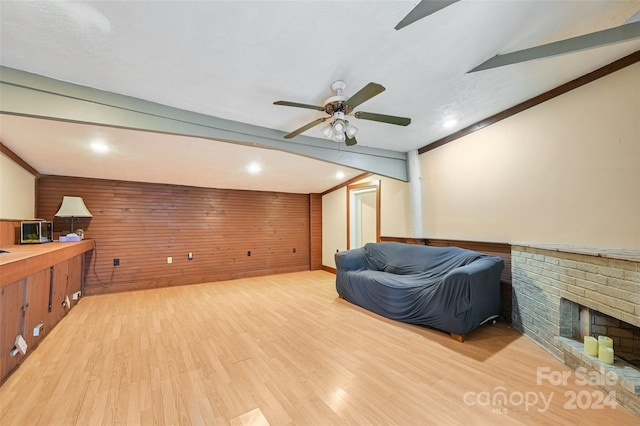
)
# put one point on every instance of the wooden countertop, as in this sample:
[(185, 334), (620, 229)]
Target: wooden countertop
[(25, 260)]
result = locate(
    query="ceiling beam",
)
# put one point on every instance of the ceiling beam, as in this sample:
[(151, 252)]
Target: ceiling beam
[(614, 35), (422, 10), (34, 95)]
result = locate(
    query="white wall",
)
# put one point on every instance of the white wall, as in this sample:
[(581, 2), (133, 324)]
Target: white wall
[(334, 225), (395, 219), (17, 191), (395, 208), (564, 172)]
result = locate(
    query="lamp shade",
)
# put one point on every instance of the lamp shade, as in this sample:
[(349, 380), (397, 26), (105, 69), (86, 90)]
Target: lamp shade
[(73, 207)]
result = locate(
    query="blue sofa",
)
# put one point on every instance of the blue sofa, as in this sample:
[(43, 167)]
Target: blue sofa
[(447, 288)]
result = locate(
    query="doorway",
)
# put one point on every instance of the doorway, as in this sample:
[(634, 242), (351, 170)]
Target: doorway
[(363, 214)]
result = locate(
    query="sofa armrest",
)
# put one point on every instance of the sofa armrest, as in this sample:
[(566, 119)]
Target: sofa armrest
[(476, 284), (481, 269), (351, 260)]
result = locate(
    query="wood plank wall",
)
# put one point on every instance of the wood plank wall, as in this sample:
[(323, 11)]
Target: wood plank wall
[(142, 224), (502, 250), (9, 232), (315, 212)]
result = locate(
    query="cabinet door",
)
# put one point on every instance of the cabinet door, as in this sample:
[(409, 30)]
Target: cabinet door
[(75, 277), (58, 293), (11, 297), (37, 289)]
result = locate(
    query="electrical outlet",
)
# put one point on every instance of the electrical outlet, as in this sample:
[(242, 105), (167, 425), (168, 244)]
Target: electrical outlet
[(38, 329), (169, 259), (249, 253), (190, 256), (294, 249), (76, 295), (116, 262)]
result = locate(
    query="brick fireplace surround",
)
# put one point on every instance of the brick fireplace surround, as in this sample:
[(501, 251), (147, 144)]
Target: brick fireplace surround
[(552, 284)]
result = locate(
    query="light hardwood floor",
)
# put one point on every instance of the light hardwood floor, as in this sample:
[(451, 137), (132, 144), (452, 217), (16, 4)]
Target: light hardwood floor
[(281, 350)]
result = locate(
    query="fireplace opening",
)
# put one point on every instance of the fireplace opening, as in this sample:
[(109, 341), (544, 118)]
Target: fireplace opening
[(626, 337), (577, 321)]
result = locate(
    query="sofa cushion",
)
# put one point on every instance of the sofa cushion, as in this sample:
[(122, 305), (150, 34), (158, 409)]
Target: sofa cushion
[(407, 259)]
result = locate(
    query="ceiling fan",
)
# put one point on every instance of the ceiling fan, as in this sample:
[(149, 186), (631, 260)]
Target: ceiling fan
[(628, 31), (339, 107)]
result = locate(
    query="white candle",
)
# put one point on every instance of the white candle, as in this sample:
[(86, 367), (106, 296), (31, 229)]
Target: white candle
[(605, 341), (590, 346), (605, 354)]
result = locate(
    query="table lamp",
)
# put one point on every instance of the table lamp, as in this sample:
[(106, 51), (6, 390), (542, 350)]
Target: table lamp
[(73, 207)]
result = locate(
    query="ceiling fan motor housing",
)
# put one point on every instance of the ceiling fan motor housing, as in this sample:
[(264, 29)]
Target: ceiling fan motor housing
[(337, 103)]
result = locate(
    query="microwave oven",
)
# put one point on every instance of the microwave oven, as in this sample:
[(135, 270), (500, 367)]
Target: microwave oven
[(36, 232)]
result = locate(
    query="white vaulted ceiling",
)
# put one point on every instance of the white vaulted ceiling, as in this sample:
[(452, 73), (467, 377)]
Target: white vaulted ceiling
[(233, 59)]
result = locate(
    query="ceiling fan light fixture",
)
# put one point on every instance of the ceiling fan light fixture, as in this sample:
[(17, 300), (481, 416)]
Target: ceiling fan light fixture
[(339, 127), (340, 138), (327, 131), (350, 130)]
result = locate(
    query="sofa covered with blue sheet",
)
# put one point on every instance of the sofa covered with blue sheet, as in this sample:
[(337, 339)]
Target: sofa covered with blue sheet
[(448, 288)]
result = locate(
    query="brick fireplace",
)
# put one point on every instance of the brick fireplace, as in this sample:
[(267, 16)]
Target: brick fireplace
[(561, 294)]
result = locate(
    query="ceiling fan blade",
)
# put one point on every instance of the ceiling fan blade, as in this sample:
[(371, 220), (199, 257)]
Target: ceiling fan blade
[(305, 127), (422, 10), (350, 141), (587, 41), (297, 105), (391, 119), (366, 93)]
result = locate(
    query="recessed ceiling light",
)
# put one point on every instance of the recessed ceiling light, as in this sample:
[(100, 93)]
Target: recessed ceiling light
[(99, 147), (340, 175), (254, 168), (450, 123)]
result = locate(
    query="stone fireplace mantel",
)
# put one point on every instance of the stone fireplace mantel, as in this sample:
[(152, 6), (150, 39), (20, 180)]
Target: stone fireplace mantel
[(620, 254)]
